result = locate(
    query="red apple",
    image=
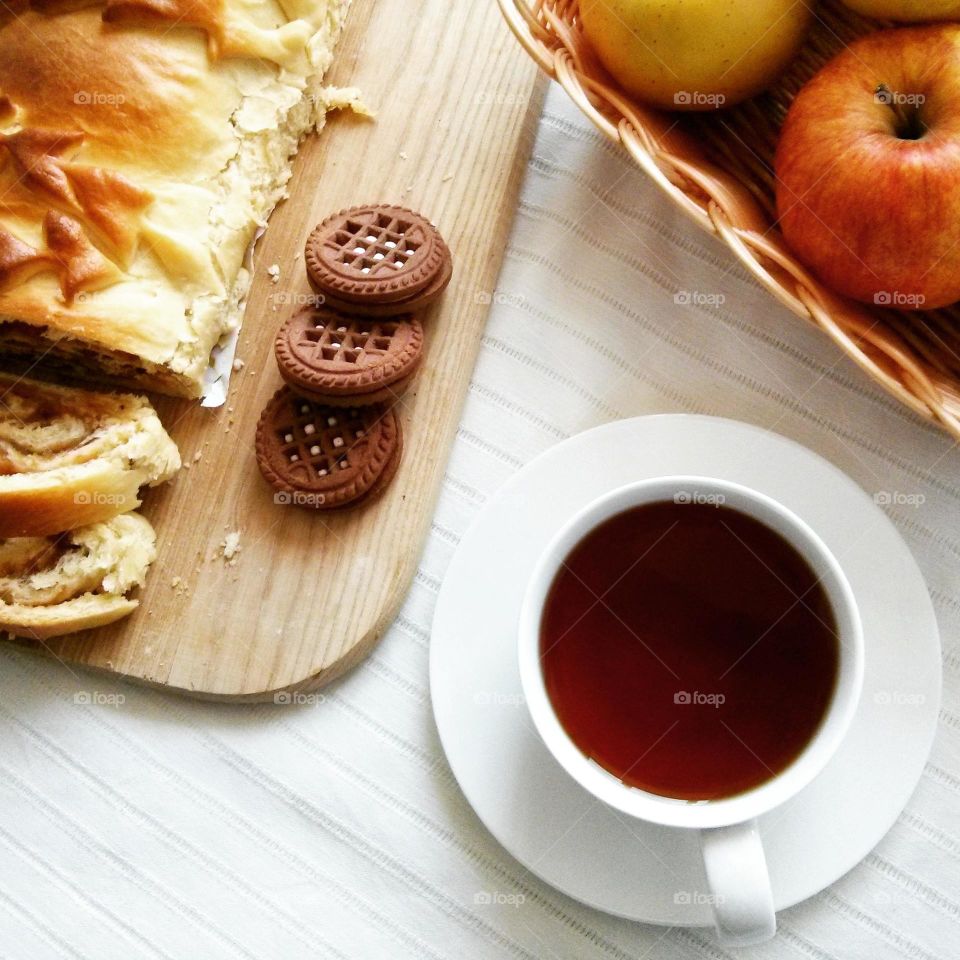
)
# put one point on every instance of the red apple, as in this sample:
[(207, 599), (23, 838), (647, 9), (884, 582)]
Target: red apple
[(868, 169)]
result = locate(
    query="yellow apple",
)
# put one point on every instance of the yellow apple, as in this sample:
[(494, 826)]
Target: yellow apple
[(695, 54), (907, 11)]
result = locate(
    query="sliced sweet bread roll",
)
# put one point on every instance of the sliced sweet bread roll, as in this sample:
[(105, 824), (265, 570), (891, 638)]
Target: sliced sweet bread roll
[(70, 458), (50, 586)]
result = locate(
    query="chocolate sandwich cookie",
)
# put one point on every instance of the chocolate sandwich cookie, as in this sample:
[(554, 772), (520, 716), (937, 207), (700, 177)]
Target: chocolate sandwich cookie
[(378, 260), (326, 457), (345, 360)]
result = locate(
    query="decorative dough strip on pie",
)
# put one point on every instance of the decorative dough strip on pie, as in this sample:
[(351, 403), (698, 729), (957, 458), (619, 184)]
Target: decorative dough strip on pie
[(69, 458), (142, 145), (50, 586)]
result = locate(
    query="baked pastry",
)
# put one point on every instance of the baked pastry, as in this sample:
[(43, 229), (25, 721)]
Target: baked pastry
[(69, 458), (142, 144), (50, 586)]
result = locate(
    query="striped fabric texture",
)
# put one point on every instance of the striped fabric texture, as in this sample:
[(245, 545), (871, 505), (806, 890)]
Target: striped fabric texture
[(138, 825)]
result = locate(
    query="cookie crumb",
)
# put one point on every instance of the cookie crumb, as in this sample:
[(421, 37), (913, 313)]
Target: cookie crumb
[(237, 365), (273, 271), (231, 547), (404, 155)]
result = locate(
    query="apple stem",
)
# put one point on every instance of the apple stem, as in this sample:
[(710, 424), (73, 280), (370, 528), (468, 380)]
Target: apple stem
[(909, 124)]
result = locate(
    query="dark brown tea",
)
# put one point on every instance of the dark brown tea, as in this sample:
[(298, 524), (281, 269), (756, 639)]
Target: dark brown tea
[(689, 650)]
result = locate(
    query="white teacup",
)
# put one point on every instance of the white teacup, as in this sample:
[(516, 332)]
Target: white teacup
[(733, 854)]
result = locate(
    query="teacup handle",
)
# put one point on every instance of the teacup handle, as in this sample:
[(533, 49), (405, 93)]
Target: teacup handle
[(739, 884)]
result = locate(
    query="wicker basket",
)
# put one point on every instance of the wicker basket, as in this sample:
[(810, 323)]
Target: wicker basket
[(718, 167)]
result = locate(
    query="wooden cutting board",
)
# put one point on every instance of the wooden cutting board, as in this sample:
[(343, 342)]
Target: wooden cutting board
[(308, 595)]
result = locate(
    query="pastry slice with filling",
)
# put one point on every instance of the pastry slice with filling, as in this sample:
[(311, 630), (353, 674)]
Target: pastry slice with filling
[(50, 586), (69, 458)]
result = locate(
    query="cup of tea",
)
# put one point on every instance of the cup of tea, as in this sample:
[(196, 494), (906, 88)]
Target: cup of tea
[(691, 653)]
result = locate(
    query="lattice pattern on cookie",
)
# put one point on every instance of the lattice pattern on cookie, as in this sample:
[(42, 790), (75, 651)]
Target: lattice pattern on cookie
[(381, 245), (319, 440), (349, 340)]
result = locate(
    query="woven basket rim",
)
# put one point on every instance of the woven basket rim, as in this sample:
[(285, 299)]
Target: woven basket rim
[(723, 206)]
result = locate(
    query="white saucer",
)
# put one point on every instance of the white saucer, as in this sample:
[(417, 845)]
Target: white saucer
[(546, 820)]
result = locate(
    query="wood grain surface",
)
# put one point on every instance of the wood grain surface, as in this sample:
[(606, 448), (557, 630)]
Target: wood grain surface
[(308, 594)]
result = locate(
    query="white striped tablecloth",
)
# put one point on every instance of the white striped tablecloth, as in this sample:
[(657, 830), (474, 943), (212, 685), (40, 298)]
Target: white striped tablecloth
[(162, 828)]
